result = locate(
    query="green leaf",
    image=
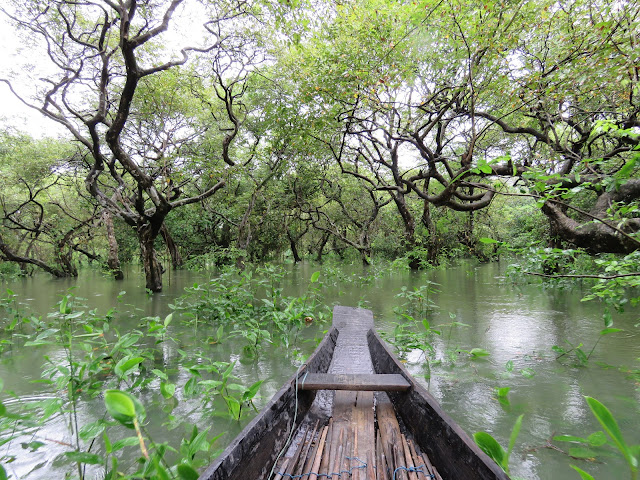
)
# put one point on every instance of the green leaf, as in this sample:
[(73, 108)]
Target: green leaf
[(3, 473), (503, 391), (126, 365), (167, 389), (108, 448), (125, 442), (84, 457), (607, 331), (200, 443), (514, 435), (167, 319), (583, 475), (570, 438), (509, 366), (251, 391), (123, 407), (486, 169), (527, 372), (91, 430), (608, 422), (582, 452), (186, 472), (315, 277), (491, 447), (63, 305), (479, 352), (227, 372), (219, 333), (597, 439), (234, 407), (487, 240), (160, 374), (119, 404), (125, 341), (582, 357)]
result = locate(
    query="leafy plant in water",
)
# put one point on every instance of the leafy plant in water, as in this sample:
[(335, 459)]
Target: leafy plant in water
[(13, 313), (617, 292), (128, 411), (475, 353), (581, 356), (631, 453), (218, 384), (502, 394), (591, 446), (491, 447), (418, 301)]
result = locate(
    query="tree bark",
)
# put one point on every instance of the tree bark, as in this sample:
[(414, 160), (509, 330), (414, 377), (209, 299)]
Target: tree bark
[(174, 251), (323, 243), (113, 260), (65, 260), (9, 255), (593, 236), (409, 237), (147, 235), (294, 248), (433, 242)]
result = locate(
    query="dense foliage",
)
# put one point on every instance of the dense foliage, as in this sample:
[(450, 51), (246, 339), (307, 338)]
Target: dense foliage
[(213, 133), (365, 128)]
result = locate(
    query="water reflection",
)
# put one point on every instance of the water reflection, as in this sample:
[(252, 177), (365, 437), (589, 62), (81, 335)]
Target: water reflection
[(514, 323)]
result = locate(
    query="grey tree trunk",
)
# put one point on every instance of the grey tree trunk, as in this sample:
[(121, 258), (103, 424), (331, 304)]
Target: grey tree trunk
[(113, 260)]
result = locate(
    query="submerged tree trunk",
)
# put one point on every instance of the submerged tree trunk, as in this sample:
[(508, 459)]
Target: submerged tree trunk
[(176, 258), (147, 235), (245, 233), (294, 248), (433, 242), (409, 238), (294, 239), (339, 249), (113, 260), (65, 260), (323, 243)]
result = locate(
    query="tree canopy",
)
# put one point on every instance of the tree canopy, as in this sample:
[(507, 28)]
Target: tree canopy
[(311, 122)]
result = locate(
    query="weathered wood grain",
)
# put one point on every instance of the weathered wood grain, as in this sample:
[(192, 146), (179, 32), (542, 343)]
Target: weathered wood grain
[(382, 382), (353, 356), (449, 448), (254, 450)]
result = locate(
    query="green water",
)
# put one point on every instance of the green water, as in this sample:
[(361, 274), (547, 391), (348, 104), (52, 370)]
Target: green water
[(514, 323)]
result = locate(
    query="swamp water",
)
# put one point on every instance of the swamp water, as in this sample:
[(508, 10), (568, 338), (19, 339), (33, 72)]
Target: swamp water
[(473, 307)]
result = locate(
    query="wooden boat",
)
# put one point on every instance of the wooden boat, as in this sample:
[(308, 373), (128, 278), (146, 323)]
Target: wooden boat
[(353, 411)]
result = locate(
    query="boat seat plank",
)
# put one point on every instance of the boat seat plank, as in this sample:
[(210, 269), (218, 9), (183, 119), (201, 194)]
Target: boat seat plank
[(354, 382)]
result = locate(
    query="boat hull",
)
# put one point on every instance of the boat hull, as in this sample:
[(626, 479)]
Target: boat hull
[(254, 451), (451, 450), (345, 351)]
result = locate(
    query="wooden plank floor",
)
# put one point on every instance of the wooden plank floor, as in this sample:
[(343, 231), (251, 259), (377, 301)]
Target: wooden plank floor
[(362, 439)]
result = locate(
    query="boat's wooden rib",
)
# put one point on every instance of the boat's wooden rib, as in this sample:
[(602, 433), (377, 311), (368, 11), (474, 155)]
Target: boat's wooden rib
[(343, 429), (384, 382)]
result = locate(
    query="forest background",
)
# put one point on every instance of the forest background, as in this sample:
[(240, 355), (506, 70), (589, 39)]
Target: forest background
[(212, 133)]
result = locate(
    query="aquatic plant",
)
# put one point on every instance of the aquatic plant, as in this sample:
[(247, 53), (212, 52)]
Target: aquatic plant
[(87, 358), (630, 453), (419, 300), (491, 447)]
